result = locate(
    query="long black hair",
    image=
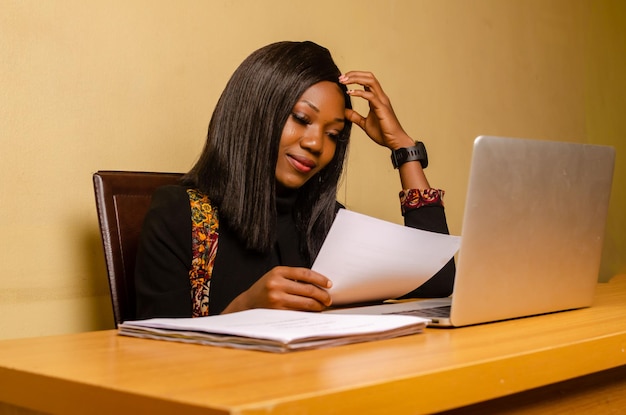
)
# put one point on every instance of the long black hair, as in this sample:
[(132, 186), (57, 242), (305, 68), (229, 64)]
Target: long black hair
[(237, 167)]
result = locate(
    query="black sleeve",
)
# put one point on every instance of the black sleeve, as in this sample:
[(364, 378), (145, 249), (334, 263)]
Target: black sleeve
[(164, 256), (432, 218)]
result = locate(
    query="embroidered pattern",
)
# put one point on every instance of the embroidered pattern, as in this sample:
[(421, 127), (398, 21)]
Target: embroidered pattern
[(414, 198), (204, 233)]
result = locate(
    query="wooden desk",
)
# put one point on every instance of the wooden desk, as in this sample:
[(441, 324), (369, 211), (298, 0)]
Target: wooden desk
[(102, 373)]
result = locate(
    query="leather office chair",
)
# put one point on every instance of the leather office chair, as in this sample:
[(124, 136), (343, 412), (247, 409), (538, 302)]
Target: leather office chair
[(122, 200)]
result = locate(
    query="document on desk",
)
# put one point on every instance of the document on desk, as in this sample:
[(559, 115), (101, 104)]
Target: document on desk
[(275, 330), (370, 259)]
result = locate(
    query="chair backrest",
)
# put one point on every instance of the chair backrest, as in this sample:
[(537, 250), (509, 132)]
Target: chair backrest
[(122, 200)]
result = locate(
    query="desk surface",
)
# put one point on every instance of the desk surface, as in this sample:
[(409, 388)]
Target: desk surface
[(103, 372)]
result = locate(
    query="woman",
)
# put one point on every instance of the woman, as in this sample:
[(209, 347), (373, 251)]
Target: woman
[(244, 228)]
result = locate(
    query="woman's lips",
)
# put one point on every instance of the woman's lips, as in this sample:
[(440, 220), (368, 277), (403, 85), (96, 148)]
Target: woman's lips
[(301, 164)]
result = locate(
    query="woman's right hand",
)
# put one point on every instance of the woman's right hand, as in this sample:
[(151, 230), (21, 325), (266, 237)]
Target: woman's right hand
[(287, 288)]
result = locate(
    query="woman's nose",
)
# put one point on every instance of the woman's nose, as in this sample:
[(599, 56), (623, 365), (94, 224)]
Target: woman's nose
[(313, 139)]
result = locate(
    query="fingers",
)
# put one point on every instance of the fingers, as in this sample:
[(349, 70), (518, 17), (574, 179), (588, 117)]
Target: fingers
[(381, 123), (302, 296), (354, 117), (365, 79), (308, 276), (308, 284), (372, 92), (293, 288), (371, 87), (285, 288)]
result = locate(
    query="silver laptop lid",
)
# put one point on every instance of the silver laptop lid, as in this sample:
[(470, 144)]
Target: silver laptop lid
[(533, 228)]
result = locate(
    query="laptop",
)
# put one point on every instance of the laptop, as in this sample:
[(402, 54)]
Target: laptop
[(531, 237)]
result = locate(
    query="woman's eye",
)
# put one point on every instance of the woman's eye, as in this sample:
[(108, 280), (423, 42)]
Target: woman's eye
[(300, 119), (333, 136)]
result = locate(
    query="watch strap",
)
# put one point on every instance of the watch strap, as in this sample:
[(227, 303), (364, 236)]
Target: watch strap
[(406, 154)]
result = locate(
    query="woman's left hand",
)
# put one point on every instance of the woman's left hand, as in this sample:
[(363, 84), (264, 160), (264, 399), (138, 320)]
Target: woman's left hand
[(381, 123)]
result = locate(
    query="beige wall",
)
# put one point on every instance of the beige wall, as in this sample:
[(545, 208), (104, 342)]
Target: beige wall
[(130, 84)]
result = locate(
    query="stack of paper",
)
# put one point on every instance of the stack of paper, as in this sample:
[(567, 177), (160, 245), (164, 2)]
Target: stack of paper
[(275, 330)]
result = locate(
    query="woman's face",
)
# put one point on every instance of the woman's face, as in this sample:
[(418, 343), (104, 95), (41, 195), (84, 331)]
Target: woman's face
[(308, 141)]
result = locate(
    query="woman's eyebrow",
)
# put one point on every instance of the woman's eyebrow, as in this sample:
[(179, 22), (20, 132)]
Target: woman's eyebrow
[(314, 108), (310, 104)]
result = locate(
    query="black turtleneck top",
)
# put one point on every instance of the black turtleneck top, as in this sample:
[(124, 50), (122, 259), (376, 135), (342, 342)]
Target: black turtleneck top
[(237, 268)]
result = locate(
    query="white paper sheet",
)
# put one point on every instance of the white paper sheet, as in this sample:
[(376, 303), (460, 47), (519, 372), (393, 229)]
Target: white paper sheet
[(370, 259)]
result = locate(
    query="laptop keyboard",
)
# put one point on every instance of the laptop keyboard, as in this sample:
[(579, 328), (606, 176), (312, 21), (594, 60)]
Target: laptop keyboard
[(443, 311)]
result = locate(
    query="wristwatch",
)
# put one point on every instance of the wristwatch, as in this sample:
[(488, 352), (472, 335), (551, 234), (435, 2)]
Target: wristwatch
[(414, 153)]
